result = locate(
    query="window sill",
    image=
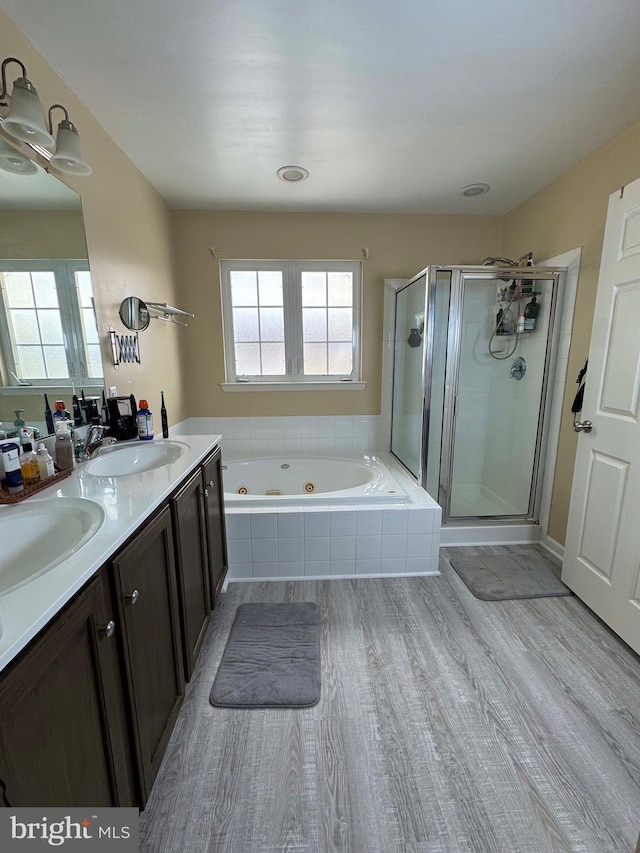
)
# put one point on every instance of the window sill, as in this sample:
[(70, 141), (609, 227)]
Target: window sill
[(51, 390), (293, 386)]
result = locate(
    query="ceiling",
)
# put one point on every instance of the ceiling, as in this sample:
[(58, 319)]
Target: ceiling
[(392, 107)]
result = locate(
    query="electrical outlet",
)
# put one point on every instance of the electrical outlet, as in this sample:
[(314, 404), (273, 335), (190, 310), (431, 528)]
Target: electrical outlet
[(112, 391)]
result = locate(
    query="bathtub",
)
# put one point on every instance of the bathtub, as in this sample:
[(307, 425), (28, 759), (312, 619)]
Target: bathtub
[(307, 480)]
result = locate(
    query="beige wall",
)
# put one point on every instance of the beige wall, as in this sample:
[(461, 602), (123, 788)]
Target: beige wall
[(399, 246), (42, 234), (128, 229), (569, 213)]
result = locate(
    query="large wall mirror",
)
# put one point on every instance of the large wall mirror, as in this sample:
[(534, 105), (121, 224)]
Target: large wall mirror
[(48, 333)]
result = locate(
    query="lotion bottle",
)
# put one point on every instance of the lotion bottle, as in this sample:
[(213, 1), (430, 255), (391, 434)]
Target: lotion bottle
[(45, 463)]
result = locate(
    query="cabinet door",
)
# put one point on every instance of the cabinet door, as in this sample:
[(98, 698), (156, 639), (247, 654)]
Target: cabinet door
[(187, 512), (63, 733), (145, 586), (217, 542)]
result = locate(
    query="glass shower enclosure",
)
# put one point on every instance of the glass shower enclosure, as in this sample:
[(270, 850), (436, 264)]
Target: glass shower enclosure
[(473, 356)]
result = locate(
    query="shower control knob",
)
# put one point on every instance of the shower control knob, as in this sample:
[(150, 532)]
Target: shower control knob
[(582, 426)]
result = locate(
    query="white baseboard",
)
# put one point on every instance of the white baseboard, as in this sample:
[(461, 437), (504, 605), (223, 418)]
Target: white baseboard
[(553, 547), (336, 577)]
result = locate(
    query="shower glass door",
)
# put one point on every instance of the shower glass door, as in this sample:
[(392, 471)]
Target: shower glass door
[(501, 390), (408, 375)]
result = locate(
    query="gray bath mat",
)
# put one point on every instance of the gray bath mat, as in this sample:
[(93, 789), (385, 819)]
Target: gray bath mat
[(500, 577), (272, 658)]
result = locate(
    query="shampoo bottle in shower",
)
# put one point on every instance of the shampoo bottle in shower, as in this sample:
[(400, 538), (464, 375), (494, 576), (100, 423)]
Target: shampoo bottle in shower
[(531, 314)]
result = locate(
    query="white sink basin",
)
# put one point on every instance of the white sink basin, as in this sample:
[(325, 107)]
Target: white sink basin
[(122, 460), (40, 534)]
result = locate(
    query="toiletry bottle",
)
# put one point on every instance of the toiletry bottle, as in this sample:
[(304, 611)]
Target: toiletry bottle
[(145, 422), (65, 452), (531, 314), (61, 413), (520, 326), (29, 465), (12, 472), (163, 418), (45, 463), (18, 421), (48, 416)]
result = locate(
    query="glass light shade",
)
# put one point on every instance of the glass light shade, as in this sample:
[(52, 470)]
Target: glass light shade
[(26, 116), (14, 161), (68, 157)]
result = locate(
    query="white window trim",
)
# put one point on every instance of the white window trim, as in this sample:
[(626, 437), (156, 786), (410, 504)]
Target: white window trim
[(294, 380), (63, 270)]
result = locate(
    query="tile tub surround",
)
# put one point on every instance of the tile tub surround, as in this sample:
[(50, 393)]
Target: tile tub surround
[(330, 435), (324, 541)]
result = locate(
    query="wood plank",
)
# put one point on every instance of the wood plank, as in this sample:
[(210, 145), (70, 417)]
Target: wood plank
[(445, 724)]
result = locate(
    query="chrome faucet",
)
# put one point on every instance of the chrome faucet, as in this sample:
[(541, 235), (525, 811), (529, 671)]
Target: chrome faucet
[(94, 438)]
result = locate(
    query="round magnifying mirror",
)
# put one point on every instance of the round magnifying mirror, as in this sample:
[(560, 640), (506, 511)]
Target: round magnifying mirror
[(134, 314)]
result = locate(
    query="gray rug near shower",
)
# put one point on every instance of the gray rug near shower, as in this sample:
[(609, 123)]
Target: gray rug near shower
[(500, 577), (272, 658)]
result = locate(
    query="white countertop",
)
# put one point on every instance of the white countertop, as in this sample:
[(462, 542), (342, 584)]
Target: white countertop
[(127, 502)]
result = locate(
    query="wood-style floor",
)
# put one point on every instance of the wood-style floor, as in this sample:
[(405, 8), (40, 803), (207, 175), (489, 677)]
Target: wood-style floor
[(446, 724)]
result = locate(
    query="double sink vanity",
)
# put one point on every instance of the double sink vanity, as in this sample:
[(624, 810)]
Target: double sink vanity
[(107, 582)]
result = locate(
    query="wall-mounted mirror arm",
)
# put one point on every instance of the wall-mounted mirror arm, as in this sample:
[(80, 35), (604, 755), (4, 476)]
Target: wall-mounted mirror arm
[(168, 313)]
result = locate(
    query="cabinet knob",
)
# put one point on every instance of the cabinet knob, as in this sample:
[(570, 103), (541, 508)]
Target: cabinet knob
[(210, 484), (109, 629), (206, 493), (132, 597)]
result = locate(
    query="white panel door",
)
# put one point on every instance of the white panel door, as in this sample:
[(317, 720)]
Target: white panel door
[(602, 551)]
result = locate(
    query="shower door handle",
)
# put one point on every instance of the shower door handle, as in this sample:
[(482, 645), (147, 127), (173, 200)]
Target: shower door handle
[(582, 426)]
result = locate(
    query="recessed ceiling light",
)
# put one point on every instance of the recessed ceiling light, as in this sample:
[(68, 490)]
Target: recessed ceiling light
[(292, 174), (475, 189)]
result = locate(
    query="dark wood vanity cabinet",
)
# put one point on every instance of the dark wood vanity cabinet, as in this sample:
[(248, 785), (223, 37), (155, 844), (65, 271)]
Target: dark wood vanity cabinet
[(87, 709), (63, 733), (144, 577), (190, 533), (214, 509)]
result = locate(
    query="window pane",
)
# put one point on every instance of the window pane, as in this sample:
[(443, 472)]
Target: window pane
[(248, 359), (340, 288), (50, 327), (95, 361), (18, 287), (44, 287), (271, 324), (270, 287), (85, 292), (245, 324), (315, 359), (244, 289), (273, 359), (56, 361), (314, 288), (30, 363), (314, 324), (89, 326), (25, 327), (340, 325), (340, 358)]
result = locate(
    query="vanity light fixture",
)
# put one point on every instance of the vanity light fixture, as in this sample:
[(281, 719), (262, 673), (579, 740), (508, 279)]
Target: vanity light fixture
[(14, 161), (25, 121), (68, 156)]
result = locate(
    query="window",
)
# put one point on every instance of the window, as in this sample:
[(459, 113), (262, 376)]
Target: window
[(291, 321), (48, 323)]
